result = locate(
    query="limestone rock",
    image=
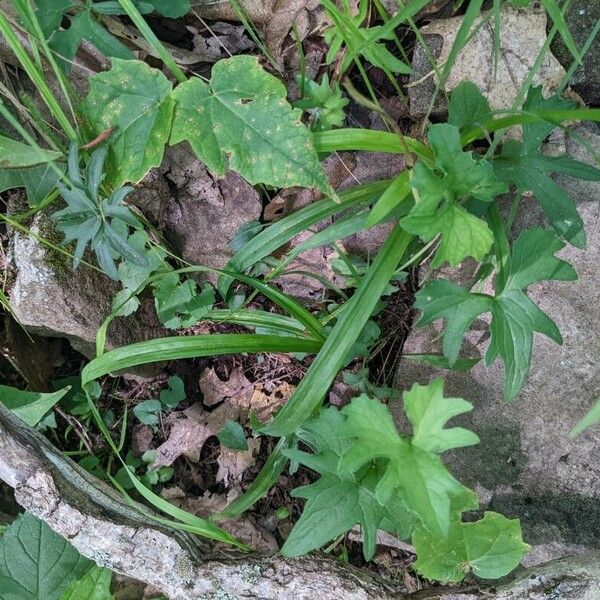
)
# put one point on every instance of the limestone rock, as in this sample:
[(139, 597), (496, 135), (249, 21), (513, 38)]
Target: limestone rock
[(522, 35), (203, 214), (51, 299), (581, 17), (526, 464)]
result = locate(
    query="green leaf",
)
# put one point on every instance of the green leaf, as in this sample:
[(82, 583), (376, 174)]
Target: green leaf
[(174, 394), (455, 176), (17, 155), (441, 362), (334, 353), (134, 99), (91, 219), (171, 8), (416, 474), (590, 419), (180, 304), (38, 181), (468, 107), (84, 27), (232, 436), (94, 585), (29, 406), (179, 347), (147, 411), (36, 563), (428, 412), (524, 166), (515, 317), (50, 14), (241, 120), (281, 232), (490, 548), (337, 501)]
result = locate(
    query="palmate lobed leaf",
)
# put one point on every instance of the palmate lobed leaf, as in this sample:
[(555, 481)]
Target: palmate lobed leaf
[(241, 120), (133, 99), (439, 188), (414, 470), (490, 548), (338, 500), (359, 454), (515, 317), (523, 165)]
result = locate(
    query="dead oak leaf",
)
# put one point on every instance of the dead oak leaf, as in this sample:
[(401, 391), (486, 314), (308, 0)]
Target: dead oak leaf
[(215, 390), (233, 463)]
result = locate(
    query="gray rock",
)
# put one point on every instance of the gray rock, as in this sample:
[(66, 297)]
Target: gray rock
[(522, 35), (526, 464), (581, 18), (203, 214), (51, 299)]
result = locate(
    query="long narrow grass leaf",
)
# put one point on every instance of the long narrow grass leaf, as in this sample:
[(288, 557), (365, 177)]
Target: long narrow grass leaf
[(312, 389), (281, 232), (178, 347)]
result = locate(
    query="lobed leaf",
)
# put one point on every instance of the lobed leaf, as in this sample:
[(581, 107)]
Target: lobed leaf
[(241, 120), (134, 100)]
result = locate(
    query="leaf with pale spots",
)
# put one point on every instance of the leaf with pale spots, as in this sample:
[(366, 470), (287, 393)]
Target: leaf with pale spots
[(241, 120), (491, 548), (134, 100)]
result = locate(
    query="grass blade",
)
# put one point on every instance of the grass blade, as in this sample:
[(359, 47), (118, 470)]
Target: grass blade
[(551, 116), (256, 318), (397, 191), (281, 232), (134, 14), (310, 392), (369, 140), (177, 347), (558, 19)]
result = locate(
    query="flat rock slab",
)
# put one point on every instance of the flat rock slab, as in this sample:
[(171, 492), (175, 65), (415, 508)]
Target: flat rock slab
[(50, 298), (522, 35), (526, 464)]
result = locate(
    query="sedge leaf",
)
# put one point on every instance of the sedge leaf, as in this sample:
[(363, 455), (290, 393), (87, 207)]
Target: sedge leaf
[(243, 121), (592, 417)]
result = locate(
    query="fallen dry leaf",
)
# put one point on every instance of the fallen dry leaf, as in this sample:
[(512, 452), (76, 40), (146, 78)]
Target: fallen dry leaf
[(215, 390), (191, 427), (263, 404), (233, 463)]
